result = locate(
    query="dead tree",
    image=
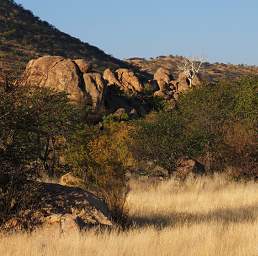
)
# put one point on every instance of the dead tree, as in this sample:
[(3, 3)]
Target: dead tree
[(191, 68)]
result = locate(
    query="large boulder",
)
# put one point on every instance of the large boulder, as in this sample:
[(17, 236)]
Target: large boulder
[(95, 89), (70, 76), (182, 83), (67, 208), (57, 73), (163, 78), (128, 80), (124, 79), (67, 223), (83, 65), (111, 79)]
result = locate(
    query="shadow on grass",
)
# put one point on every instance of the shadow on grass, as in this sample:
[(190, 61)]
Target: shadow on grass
[(226, 216)]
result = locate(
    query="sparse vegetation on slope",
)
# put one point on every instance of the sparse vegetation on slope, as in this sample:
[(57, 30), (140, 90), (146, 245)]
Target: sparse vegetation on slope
[(210, 71), (24, 37)]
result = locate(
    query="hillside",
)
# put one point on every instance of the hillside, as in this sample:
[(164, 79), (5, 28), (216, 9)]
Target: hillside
[(209, 71), (24, 36)]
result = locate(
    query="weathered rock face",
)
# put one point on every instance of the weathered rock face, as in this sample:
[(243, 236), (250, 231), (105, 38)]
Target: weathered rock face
[(124, 79), (66, 223), (67, 208), (129, 80), (163, 78), (57, 73), (169, 87), (186, 166), (83, 65), (95, 89), (182, 84), (66, 75), (110, 77), (160, 94)]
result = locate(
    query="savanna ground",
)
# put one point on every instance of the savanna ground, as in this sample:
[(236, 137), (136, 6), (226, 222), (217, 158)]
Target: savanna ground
[(205, 216)]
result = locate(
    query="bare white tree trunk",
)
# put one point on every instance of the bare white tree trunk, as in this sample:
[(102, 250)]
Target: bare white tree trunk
[(191, 68)]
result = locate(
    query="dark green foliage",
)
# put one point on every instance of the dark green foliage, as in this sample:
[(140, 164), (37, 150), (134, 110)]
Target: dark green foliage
[(214, 123), (33, 122), (42, 134)]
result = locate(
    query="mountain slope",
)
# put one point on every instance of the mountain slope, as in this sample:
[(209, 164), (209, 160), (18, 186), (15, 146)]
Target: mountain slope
[(24, 36)]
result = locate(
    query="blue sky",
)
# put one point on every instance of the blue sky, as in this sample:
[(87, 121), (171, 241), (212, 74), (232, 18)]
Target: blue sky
[(219, 30)]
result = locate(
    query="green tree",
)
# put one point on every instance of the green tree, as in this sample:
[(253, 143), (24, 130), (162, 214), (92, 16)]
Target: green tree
[(33, 124), (214, 123)]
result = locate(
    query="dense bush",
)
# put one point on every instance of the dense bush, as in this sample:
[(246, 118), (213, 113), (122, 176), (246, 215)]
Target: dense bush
[(41, 133), (34, 122), (216, 124), (101, 160)]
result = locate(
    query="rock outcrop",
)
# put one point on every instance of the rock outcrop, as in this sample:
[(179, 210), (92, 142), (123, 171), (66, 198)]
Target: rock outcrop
[(169, 87), (182, 83), (83, 86), (111, 78), (129, 80), (63, 207), (124, 79), (63, 74), (57, 73), (83, 65), (95, 88), (163, 78)]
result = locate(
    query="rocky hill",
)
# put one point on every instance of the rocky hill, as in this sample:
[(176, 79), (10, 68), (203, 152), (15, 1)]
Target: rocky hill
[(24, 37), (209, 71)]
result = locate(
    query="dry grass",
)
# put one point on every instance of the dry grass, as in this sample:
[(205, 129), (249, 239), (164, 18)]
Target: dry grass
[(202, 217)]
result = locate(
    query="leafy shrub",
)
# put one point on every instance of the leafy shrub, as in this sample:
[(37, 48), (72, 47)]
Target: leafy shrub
[(216, 124), (101, 160), (34, 122), (42, 133)]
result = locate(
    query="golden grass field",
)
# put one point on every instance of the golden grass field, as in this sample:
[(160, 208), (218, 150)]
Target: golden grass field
[(207, 216)]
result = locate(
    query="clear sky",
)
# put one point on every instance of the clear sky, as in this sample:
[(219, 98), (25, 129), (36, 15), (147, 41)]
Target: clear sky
[(219, 30)]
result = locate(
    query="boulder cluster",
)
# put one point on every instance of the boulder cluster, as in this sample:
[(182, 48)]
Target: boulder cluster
[(84, 86), (124, 79), (169, 87), (77, 79), (71, 76)]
